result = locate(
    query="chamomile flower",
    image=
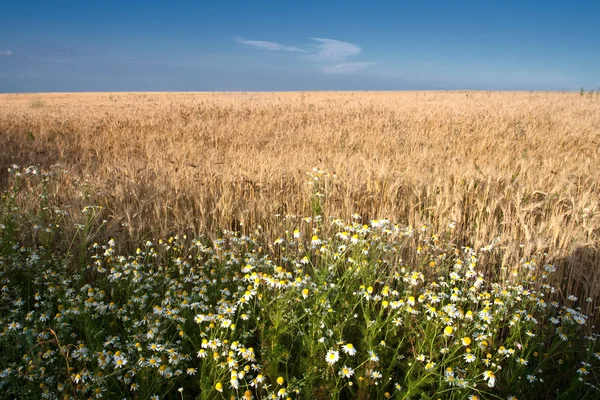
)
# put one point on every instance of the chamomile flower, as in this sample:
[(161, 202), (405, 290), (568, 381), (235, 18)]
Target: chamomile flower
[(373, 356), (153, 362), (346, 372), (120, 362), (332, 357), (376, 375), (490, 377), (315, 241), (349, 349)]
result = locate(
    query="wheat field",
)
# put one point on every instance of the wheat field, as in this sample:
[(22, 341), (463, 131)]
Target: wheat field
[(516, 169)]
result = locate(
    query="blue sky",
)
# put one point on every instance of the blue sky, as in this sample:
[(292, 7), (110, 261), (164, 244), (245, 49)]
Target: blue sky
[(62, 46)]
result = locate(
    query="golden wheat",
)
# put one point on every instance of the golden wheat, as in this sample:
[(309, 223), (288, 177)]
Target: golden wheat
[(518, 167)]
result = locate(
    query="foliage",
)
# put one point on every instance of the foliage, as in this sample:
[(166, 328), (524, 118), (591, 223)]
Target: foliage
[(328, 310)]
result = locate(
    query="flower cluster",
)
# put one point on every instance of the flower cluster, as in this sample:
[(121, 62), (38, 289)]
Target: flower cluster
[(328, 310)]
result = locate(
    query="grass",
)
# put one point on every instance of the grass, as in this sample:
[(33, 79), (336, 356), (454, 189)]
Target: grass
[(494, 199), (330, 309)]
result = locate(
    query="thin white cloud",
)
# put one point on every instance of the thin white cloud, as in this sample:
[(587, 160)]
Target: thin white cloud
[(333, 50), (6, 53), (321, 51), (345, 68), (272, 46)]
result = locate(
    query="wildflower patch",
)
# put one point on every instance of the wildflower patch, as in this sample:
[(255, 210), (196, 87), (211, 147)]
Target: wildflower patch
[(329, 310)]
